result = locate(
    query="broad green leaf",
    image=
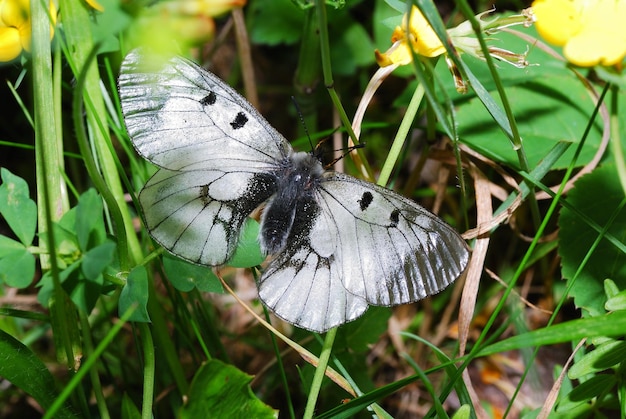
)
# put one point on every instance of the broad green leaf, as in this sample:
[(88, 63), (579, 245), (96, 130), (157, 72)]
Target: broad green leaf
[(135, 292), (97, 259), (184, 276), (545, 115), (352, 47), (597, 195), (47, 286), (8, 246), (220, 390), (248, 252), (17, 208), (90, 230), (364, 331), (17, 269), (23, 369), (274, 22)]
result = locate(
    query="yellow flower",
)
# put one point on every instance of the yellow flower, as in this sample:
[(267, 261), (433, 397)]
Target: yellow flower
[(15, 27), (418, 37), (591, 32)]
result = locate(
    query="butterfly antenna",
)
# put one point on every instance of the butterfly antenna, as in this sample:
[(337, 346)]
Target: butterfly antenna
[(345, 152), (306, 130)]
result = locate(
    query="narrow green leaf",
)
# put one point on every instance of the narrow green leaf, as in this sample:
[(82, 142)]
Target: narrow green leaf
[(601, 358), (612, 324), (222, 391), (17, 208), (129, 410), (24, 370), (586, 391)]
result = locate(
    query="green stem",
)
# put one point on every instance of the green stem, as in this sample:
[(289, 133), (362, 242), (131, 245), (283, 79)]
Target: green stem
[(616, 143), (307, 75), (51, 196), (401, 135), (319, 373), (148, 370), (93, 372), (329, 82)]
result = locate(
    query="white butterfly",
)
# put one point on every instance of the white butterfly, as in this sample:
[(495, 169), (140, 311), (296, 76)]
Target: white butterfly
[(338, 244)]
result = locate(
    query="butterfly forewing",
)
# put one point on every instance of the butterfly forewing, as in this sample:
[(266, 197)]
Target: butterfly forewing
[(181, 117), (391, 250)]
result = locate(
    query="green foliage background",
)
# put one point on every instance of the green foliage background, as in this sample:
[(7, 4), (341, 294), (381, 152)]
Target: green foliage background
[(116, 327)]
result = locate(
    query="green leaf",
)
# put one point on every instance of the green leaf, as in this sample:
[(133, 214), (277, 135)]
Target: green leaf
[(65, 242), (603, 357), (546, 116), (617, 302), (97, 259), (129, 410), (184, 276), (248, 252), (352, 46), (17, 208), (17, 269), (364, 331), (46, 284), (274, 22), (222, 391), (90, 230), (596, 195), (135, 292), (586, 391), (24, 370), (8, 246), (612, 324)]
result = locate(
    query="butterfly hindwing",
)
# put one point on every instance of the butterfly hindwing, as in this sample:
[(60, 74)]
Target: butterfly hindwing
[(198, 215), (303, 285), (182, 117)]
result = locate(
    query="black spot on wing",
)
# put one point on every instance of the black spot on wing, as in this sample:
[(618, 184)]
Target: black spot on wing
[(240, 120), (209, 99), (366, 200), (394, 217)]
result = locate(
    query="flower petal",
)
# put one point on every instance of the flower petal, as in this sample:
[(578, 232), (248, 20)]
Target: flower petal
[(398, 53), (424, 39), (557, 20), (10, 45), (592, 48)]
